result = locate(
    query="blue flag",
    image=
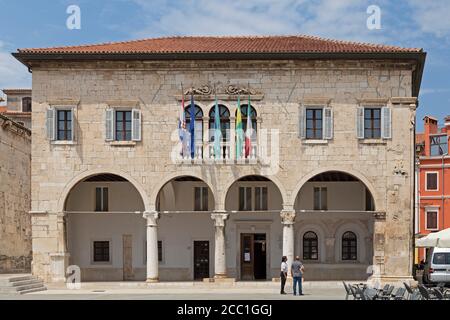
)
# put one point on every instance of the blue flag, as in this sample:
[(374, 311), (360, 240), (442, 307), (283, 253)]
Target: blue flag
[(192, 126)]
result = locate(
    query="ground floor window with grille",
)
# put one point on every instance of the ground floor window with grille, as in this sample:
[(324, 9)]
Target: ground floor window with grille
[(101, 251), (349, 246), (310, 246)]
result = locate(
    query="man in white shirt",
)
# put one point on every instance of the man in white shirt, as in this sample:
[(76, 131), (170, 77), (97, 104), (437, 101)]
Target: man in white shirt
[(283, 273)]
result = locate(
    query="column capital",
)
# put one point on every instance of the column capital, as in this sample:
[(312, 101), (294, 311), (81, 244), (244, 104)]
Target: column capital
[(152, 218), (287, 217), (219, 218)]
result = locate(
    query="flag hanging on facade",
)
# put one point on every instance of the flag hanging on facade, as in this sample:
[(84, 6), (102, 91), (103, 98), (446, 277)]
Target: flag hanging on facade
[(239, 131), (192, 127), (182, 127), (248, 131), (217, 131)]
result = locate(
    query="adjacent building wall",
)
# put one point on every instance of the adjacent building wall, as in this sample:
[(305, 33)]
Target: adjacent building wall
[(15, 199)]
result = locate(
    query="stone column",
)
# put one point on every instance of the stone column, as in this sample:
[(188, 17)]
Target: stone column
[(60, 257), (220, 261), (378, 246), (288, 219), (152, 245)]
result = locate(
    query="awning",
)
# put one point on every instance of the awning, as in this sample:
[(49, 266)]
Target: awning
[(439, 239)]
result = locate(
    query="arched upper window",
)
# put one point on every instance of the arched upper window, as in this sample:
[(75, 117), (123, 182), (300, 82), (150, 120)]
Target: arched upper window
[(198, 125), (26, 104), (224, 116), (349, 246), (244, 111), (310, 246)]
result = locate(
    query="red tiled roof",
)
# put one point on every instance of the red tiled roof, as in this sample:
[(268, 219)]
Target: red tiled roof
[(229, 44)]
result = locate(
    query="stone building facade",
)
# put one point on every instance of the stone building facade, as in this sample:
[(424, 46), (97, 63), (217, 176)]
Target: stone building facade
[(18, 106), (329, 176), (15, 197)]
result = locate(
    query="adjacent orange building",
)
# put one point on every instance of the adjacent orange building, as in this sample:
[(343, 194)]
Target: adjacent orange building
[(433, 179)]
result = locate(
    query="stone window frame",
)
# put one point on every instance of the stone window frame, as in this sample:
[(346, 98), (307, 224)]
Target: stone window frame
[(435, 209), (101, 263), (59, 106), (123, 105), (437, 180), (315, 103)]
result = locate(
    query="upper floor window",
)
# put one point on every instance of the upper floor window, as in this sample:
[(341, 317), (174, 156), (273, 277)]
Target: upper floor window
[(244, 112), (320, 198), (123, 124), (224, 118), (438, 145), (261, 198), (372, 123), (198, 127), (64, 124), (314, 121), (201, 198), (432, 183), (431, 219), (101, 199), (310, 246), (349, 246), (245, 198), (26, 104)]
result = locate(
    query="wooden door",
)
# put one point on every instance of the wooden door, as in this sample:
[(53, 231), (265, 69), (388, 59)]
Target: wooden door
[(201, 260), (247, 257), (127, 241)]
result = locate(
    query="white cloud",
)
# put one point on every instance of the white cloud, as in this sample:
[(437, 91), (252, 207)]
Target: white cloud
[(432, 16), (13, 74)]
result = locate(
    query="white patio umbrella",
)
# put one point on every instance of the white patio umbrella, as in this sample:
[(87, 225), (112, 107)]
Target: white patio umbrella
[(439, 239)]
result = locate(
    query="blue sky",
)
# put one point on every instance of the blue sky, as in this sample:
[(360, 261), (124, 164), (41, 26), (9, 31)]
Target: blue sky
[(410, 23)]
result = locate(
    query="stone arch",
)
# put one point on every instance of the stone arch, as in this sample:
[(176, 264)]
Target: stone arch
[(89, 173), (223, 194), (321, 233), (352, 172), (172, 176)]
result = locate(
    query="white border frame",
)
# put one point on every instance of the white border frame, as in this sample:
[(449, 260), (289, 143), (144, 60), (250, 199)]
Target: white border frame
[(432, 209)]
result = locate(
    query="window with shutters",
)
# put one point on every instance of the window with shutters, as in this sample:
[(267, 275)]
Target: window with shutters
[(372, 123), (123, 125), (245, 198), (64, 124), (314, 123), (201, 199), (431, 219), (432, 181)]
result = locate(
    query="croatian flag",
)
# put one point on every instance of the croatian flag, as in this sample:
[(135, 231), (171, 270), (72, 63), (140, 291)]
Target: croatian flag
[(182, 127), (192, 127), (249, 131)]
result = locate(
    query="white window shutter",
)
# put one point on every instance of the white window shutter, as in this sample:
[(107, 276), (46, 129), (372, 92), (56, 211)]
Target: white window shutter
[(301, 123), (109, 124), (328, 123), (360, 123), (386, 123), (136, 125), (50, 123), (72, 122)]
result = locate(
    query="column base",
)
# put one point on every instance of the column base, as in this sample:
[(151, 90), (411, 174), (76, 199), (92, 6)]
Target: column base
[(152, 280), (385, 279)]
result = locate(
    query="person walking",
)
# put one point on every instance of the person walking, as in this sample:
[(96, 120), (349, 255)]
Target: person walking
[(283, 273), (297, 270)]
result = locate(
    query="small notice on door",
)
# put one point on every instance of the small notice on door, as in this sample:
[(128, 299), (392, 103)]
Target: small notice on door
[(247, 256)]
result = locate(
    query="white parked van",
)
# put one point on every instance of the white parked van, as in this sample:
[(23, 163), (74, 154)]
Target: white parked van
[(437, 266)]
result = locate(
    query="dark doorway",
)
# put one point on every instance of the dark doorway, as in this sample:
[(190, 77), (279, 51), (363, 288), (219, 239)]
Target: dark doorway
[(253, 256), (201, 260)]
